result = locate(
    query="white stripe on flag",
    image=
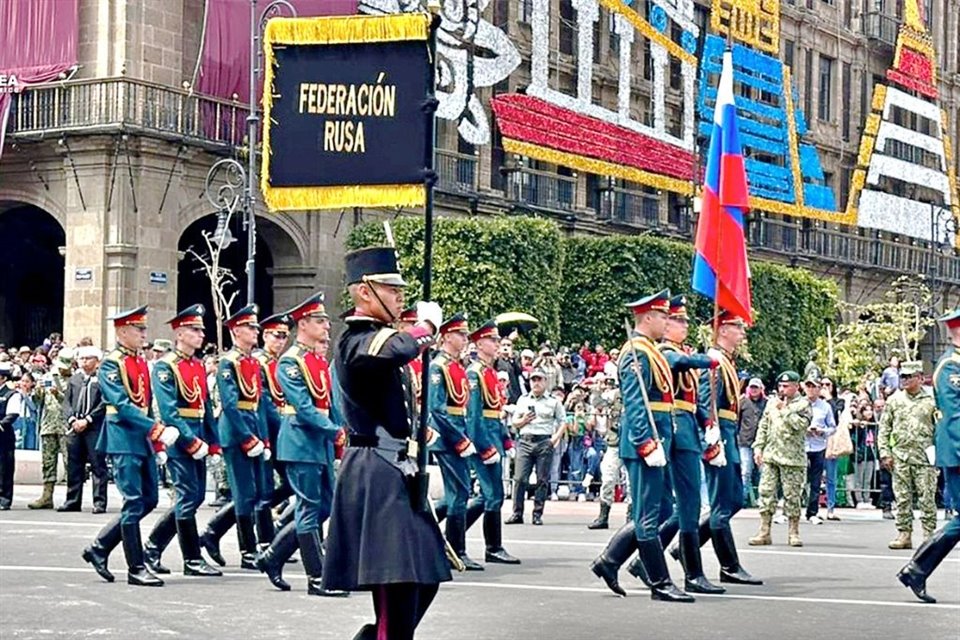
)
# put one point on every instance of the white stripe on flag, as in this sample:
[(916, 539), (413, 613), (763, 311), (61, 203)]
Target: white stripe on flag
[(725, 88)]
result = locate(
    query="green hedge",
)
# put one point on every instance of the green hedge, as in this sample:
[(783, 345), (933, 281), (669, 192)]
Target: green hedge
[(482, 266), (578, 285)]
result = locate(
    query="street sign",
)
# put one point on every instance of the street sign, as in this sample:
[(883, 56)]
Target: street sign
[(158, 277), (83, 275)]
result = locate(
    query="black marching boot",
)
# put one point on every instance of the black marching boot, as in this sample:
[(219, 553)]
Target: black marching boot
[(137, 573), (272, 560), (158, 540), (441, 512), (217, 526), (694, 580), (603, 520), (193, 562), (638, 571), (703, 534), (457, 537), (312, 558), (474, 511), (265, 531), (927, 558), (493, 537), (98, 552), (726, 549), (247, 540), (608, 563), (662, 587)]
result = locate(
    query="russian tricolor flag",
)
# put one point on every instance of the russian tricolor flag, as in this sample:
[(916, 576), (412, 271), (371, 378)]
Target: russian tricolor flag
[(720, 269)]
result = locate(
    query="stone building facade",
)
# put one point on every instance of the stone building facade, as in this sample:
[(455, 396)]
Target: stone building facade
[(105, 174)]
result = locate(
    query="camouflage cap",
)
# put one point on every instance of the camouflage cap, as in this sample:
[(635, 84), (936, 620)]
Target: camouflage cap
[(911, 368)]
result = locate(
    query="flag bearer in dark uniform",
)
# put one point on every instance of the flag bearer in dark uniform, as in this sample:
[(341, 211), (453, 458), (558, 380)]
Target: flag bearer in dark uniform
[(243, 431), (721, 454), (491, 439), (377, 541), (686, 450), (307, 434), (183, 401), (646, 384), (450, 445), (276, 330), (946, 386), (130, 437)]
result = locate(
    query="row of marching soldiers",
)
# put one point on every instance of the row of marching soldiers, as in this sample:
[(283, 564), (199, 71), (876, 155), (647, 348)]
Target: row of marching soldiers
[(281, 414), (679, 408)]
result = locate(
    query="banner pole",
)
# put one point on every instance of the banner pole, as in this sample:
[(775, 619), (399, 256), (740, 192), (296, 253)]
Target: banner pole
[(429, 179)]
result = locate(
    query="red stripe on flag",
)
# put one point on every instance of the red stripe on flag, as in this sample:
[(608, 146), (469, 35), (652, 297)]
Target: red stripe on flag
[(733, 182)]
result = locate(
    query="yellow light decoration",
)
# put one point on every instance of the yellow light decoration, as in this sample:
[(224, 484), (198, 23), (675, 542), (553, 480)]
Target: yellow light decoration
[(788, 209), (879, 98), (598, 167), (794, 148), (856, 186), (873, 124), (645, 28), (866, 150), (752, 22)]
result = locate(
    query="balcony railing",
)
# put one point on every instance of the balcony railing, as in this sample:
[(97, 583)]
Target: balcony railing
[(629, 207), (542, 189), (881, 27), (123, 104), (458, 172)]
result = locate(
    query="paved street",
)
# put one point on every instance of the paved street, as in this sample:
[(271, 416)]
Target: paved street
[(841, 582)]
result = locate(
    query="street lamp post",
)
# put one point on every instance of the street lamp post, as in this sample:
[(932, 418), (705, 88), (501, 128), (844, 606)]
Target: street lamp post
[(943, 228), (272, 10)]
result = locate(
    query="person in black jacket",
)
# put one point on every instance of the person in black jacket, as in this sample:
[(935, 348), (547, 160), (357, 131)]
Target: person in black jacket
[(8, 439), (84, 409)]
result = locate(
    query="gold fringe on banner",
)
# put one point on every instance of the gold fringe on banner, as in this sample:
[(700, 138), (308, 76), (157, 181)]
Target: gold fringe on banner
[(339, 197), (269, 61), (348, 29)]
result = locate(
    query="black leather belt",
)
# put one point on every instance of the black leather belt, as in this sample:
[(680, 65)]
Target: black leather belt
[(533, 438)]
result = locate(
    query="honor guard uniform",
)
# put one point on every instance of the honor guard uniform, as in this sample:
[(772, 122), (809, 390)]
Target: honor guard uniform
[(377, 541), (279, 327), (946, 455), (408, 318), (179, 383), (307, 434), (722, 457), (449, 442), (243, 431), (646, 384), (685, 450), (130, 437), (491, 439)]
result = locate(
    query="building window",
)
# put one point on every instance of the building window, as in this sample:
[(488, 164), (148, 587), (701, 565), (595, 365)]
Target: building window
[(847, 81), (501, 15), (808, 85), (647, 60), (847, 13), (788, 53), (826, 88), (566, 26), (526, 10), (613, 36)]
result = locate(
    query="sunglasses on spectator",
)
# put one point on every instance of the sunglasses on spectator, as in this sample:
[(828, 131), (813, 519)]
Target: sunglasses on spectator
[(826, 384)]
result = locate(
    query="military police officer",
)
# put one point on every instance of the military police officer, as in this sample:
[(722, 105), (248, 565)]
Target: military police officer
[(946, 385), (377, 540), (779, 447), (130, 437), (450, 445), (180, 387), (646, 383), (489, 435), (906, 433), (307, 434)]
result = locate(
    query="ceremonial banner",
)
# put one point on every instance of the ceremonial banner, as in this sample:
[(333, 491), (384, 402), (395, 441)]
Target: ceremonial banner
[(344, 124)]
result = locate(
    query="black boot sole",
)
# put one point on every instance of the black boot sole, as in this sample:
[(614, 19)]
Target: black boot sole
[(500, 560), (732, 579), (102, 571), (213, 550), (594, 526), (666, 596), (920, 592), (612, 582), (144, 582), (696, 587)]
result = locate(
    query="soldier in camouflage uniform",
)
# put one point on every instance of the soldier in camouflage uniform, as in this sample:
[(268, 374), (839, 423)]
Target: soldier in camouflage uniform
[(779, 448), (906, 432), (53, 425), (610, 465)]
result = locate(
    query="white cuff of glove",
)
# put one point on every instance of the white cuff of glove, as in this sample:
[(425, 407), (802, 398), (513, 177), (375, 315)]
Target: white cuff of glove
[(216, 458), (169, 436), (469, 451), (712, 436), (432, 437), (430, 312), (720, 460), (656, 458), (512, 454), (202, 452), (267, 454), (494, 459), (161, 457), (256, 449)]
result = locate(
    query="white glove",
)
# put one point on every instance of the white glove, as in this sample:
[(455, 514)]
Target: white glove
[(216, 458), (715, 354), (161, 457), (494, 459), (169, 436), (267, 454), (430, 312), (587, 481), (512, 453), (256, 449), (656, 458), (712, 435), (432, 437), (720, 460), (202, 452), (469, 451)]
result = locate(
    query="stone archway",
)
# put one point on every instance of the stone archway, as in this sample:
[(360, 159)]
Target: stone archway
[(32, 286)]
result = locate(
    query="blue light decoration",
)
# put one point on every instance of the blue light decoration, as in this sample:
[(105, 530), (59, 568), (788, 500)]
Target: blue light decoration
[(784, 183), (658, 18)]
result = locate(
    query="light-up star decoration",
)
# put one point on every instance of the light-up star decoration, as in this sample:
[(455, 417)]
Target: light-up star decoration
[(471, 53)]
